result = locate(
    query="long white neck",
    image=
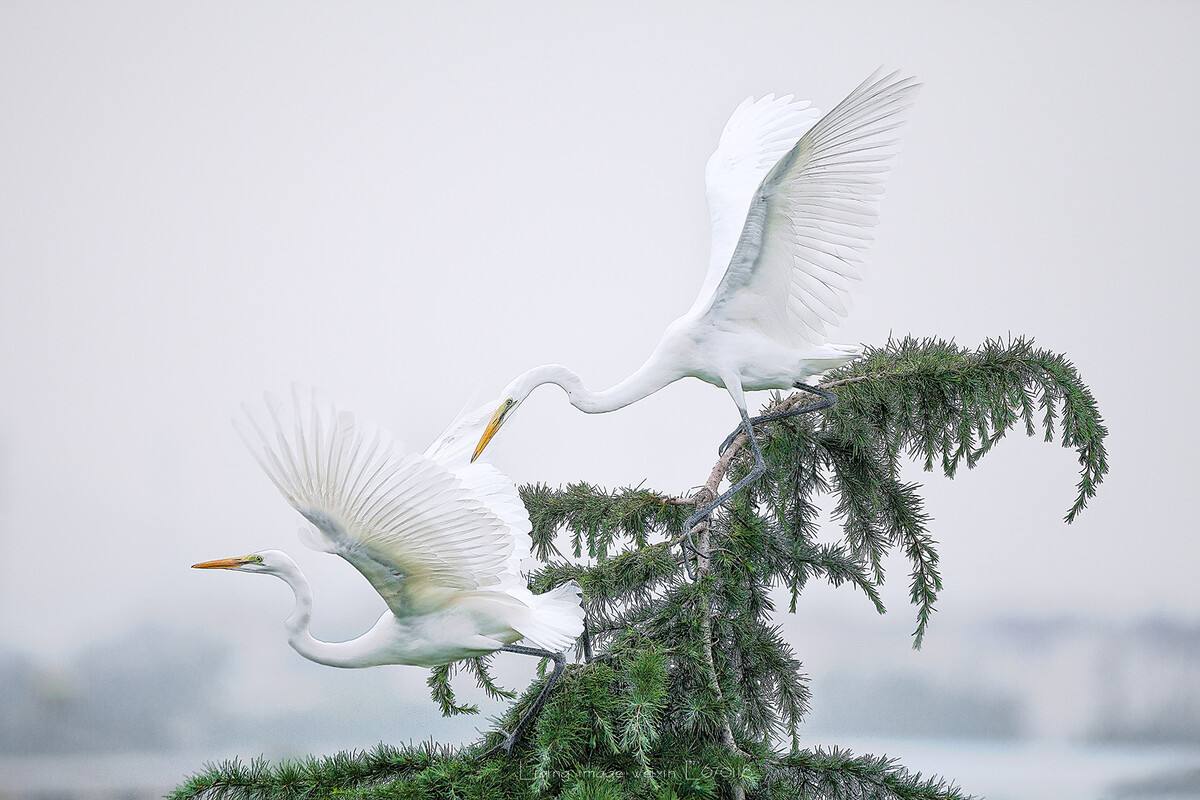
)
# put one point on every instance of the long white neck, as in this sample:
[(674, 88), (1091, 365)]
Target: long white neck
[(331, 654), (647, 380)]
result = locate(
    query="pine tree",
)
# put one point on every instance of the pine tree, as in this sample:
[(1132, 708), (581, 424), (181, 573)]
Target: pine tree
[(685, 687)]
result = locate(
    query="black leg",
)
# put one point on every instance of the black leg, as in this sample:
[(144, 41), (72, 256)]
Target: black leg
[(827, 400), (587, 642), (560, 662), (759, 468)]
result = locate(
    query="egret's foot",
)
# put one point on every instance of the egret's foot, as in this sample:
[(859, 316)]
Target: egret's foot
[(506, 746), (826, 400), (688, 550), (689, 525), (511, 740), (587, 640), (754, 474)]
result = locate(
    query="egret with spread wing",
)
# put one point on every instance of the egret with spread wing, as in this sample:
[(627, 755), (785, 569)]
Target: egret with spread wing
[(790, 208), (442, 539)]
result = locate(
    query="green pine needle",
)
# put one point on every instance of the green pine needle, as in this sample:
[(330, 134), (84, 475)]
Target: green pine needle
[(645, 718)]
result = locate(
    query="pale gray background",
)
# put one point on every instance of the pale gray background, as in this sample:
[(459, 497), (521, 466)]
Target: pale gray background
[(407, 205)]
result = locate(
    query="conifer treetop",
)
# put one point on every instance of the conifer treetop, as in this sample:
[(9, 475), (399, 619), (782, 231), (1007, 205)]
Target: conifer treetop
[(687, 686)]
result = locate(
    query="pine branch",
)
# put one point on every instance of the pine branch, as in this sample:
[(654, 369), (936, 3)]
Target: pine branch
[(840, 775), (837, 566), (308, 777), (443, 693), (597, 519), (947, 404)]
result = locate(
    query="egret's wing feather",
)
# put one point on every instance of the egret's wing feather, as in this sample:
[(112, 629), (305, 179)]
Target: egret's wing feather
[(808, 223), (757, 135), (453, 449), (412, 527)]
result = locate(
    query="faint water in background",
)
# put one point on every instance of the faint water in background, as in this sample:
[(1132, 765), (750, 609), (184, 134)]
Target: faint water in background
[(1037, 770), (1025, 770), (1008, 710)]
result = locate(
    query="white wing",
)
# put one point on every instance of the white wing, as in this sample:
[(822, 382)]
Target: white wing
[(807, 226), (414, 529), (757, 135), (495, 490), (552, 620)]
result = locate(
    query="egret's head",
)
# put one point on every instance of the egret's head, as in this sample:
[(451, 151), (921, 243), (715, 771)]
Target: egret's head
[(503, 411), (271, 562), (516, 392)]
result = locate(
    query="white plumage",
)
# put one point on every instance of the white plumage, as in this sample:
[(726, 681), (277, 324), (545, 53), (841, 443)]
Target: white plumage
[(791, 208), (757, 135), (808, 223), (441, 539)]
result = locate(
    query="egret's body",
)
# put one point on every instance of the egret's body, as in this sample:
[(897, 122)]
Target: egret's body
[(791, 203), (440, 538), (732, 359)]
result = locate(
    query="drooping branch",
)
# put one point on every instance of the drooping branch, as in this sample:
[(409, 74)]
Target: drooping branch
[(931, 400), (840, 775), (941, 402)]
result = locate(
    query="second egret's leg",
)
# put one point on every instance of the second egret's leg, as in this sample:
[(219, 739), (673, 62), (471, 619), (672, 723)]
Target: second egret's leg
[(754, 474), (827, 400), (560, 662)]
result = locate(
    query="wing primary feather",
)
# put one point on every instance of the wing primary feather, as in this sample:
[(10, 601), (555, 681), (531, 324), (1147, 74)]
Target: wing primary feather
[(360, 482), (261, 455), (826, 135), (845, 115), (318, 436), (301, 442), (340, 465), (293, 472)]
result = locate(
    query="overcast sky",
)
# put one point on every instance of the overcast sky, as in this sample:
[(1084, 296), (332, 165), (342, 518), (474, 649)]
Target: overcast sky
[(406, 205)]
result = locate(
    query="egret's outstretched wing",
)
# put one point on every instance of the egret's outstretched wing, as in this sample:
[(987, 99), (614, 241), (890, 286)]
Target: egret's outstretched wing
[(757, 135), (495, 490), (807, 225), (409, 524)]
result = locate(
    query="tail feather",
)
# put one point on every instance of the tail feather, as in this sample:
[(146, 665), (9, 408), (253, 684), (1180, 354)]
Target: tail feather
[(828, 356), (555, 618)]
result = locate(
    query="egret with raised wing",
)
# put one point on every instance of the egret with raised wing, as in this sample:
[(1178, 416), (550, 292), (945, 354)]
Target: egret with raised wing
[(790, 208), (439, 537)]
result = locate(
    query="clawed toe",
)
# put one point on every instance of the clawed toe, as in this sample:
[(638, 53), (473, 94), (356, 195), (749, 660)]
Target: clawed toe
[(506, 745)]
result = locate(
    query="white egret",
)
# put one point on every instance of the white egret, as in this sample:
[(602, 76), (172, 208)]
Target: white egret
[(790, 207), (440, 538)]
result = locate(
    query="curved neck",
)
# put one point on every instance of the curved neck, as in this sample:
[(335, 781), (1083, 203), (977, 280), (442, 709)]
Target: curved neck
[(648, 379), (331, 654)]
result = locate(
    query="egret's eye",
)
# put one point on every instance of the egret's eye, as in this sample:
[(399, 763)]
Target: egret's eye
[(254, 558)]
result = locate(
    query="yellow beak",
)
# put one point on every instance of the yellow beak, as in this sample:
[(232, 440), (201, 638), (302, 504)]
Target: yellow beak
[(223, 563), (490, 431)]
